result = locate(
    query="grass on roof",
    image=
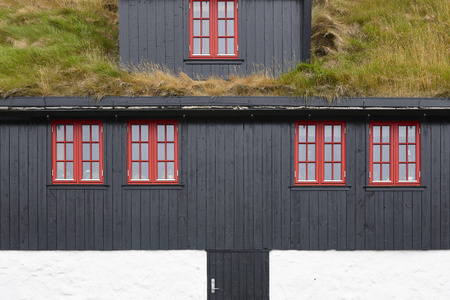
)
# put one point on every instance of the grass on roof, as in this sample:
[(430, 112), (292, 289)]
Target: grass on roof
[(360, 48)]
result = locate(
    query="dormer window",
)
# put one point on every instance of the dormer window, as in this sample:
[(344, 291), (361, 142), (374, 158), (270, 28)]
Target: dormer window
[(213, 29)]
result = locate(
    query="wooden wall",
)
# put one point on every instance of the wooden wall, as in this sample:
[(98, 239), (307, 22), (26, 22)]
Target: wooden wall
[(236, 193), (274, 35)]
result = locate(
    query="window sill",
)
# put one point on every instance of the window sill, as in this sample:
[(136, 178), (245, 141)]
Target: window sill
[(152, 186), (380, 188), (320, 187), (213, 61), (78, 186)]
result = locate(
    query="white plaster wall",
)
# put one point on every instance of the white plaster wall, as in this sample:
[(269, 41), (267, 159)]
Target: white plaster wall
[(103, 275), (360, 275)]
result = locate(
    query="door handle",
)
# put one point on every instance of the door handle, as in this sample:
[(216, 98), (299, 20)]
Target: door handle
[(213, 286)]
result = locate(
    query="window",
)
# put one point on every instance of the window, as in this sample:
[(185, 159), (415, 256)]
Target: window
[(213, 29), (320, 153), (394, 153), (77, 152), (152, 152)]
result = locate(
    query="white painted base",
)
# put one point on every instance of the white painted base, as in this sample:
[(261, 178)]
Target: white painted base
[(359, 275), (103, 275)]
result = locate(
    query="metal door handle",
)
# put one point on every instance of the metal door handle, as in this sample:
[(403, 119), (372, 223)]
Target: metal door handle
[(213, 286)]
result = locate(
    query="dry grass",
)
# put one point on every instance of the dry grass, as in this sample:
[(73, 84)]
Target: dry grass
[(360, 48)]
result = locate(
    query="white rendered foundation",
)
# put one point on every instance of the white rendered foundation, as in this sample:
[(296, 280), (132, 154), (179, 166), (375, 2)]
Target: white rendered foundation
[(359, 275), (103, 275)]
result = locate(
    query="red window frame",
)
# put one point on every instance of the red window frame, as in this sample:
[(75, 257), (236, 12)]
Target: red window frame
[(319, 158), (74, 138), (394, 160), (213, 29), (138, 157)]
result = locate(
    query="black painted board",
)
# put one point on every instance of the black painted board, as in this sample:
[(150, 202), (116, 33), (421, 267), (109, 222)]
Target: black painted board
[(33, 191), (369, 226), (445, 185), (332, 219), (267, 186), (169, 34), (257, 187), (243, 271), (210, 185), (239, 213), (127, 219), (116, 197), (142, 19), (236, 276), (61, 229), (44, 173), (269, 34), (229, 188), (145, 219), (407, 220), (417, 220), (133, 32), (4, 186), (398, 220), (323, 220), (287, 35), (135, 219), (182, 205), (425, 141), (379, 220), (51, 218), (172, 199), (251, 46), (361, 176), (23, 186), (388, 198), (295, 219), (260, 34), (435, 186), (251, 276), (304, 220), (341, 220), (164, 219), (151, 31), (248, 186), (124, 40), (160, 32), (313, 220), (227, 276), (296, 33), (278, 35), (80, 220), (201, 175), (180, 50), (351, 181), (89, 219), (103, 240), (192, 184), (154, 220), (71, 218), (286, 180), (276, 186), (220, 187), (14, 203)]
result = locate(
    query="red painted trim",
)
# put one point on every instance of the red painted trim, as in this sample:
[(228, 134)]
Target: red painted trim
[(77, 152), (320, 153), (213, 30), (394, 153), (153, 151)]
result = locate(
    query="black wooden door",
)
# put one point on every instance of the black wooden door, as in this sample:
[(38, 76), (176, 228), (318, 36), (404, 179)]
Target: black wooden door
[(238, 275)]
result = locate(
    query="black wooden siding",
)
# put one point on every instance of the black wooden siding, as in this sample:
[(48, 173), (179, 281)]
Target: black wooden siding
[(235, 193), (273, 35)]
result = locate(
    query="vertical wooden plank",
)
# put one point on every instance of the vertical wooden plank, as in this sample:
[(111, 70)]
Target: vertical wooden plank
[(257, 188), (425, 144), (71, 230), (118, 160), (260, 33), (104, 200), (417, 220), (14, 203), (33, 188), (407, 220), (398, 220), (164, 219), (295, 219), (172, 233), (154, 221), (276, 186), (287, 35), (135, 219), (251, 279), (142, 18), (278, 36), (127, 219), (370, 221), (102, 238), (269, 34), (314, 220), (210, 185), (201, 186), (227, 276), (379, 220), (243, 271), (323, 220), (145, 220), (388, 220), (23, 187), (248, 186), (342, 220), (236, 276), (239, 186), (80, 221), (445, 185), (4, 186), (220, 186), (61, 229), (435, 186), (351, 181), (89, 220), (43, 175), (332, 219), (151, 30), (180, 49), (360, 182), (52, 220), (134, 32), (287, 171), (160, 32), (250, 42), (296, 35), (267, 186), (183, 201), (124, 36), (192, 184), (229, 186), (304, 220)]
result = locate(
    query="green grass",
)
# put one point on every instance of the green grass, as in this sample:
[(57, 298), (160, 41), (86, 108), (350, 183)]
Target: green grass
[(360, 48)]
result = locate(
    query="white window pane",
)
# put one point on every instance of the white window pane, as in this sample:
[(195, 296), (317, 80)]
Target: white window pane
[(170, 133), (221, 49), (144, 133), (69, 151), (311, 171), (337, 152), (412, 172), (144, 151), (328, 151), (411, 134), (95, 170), (170, 151), (376, 172), (144, 170), (161, 151), (337, 171), (412, 153), (86, 151), (60, 170), (337, 133), (230, 9), (402, 134), (385, 134), (301, 171), (69, 133), (402, 153), (230, 46), (135, 170), (60, 133), (311, 133), (60, 151), (221, 9), (86, 133), (386, 153), (328, 170), (86, 170), (196, 28), (386, 172), (170, 170), (161, 170), (205, 46), (376, 134), (376, 153), (197, 48), (95, 133), (196, 9), (402, 172), (135, 133), (69, 170), (161, 133), (311, 152), (301, 152), (221, 27), (230, 28), (302, 133), (135, 151), (95, 151), (205, 9), (205, 27), (328, 131)]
